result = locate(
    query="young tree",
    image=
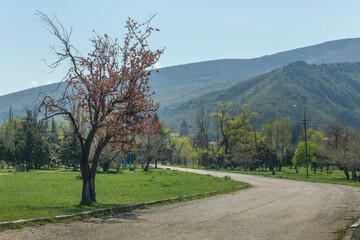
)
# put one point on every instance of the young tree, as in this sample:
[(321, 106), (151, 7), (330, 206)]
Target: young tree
[(155, 144), (109, 100), (299, 159)]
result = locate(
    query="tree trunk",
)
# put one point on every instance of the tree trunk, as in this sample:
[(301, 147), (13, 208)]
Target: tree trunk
[(88, 174), (354, 175), (146, 169), (155, 163), (347, 174), (296, 170), (88, 192)]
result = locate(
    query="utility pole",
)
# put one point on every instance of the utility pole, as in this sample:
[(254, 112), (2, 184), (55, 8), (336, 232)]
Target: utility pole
[(306, 152)]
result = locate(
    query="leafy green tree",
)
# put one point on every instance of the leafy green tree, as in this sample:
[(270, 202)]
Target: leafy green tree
[(236, 130), (277, 135), (222, 117), (183, 149), (299, 159), (320, 153), (315, 136), (239, 129)]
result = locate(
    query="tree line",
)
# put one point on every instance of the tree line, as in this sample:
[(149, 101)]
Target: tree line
[(32, 143), (238, 145)]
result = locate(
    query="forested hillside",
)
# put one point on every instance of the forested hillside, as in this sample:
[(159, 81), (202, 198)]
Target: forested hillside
[(326, 91)]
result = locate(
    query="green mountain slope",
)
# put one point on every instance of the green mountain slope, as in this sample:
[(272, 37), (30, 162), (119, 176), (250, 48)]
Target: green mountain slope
[(326, 91), (175, 85), (178, 84)]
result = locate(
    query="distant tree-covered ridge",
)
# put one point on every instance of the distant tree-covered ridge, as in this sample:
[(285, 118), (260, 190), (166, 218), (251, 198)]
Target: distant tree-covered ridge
[(326, 91)]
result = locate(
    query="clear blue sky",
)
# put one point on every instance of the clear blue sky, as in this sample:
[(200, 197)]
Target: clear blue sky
[(191, 31)]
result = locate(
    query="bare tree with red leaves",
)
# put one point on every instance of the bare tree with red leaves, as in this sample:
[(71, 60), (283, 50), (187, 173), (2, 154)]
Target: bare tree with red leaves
[(107, 99)]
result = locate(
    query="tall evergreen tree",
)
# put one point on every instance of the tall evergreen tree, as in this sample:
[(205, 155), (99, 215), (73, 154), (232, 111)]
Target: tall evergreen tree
[(184, 129)]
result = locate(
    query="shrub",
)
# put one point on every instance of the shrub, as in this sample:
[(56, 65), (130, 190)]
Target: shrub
[(227, 177)]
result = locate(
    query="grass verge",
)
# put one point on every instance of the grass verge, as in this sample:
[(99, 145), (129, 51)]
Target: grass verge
[(342, 232), (48, 193)]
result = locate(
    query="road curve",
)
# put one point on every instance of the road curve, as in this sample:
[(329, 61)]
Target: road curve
[(271, 209)]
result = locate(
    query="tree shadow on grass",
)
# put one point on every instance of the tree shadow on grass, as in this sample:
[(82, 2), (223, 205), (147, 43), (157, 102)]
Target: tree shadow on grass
[(65, 210), (113, 219)]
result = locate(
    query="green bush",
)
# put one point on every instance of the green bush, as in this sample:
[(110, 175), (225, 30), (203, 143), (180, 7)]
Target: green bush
[(227, 177)]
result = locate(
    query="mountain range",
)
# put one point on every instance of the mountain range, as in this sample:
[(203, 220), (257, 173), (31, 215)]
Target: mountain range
[(185, 87)]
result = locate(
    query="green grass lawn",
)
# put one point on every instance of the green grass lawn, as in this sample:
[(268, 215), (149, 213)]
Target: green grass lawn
[(47, 193), (336, 176)]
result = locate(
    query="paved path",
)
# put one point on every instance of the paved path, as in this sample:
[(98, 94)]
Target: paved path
[(270, 209)]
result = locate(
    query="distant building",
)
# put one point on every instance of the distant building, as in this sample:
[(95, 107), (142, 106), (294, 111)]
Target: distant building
[(184, 129)]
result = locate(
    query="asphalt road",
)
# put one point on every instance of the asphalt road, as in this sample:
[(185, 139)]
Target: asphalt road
[(270, 209)]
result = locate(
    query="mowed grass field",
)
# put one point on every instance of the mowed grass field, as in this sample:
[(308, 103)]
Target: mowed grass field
[(47, 193), (335, 176)]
